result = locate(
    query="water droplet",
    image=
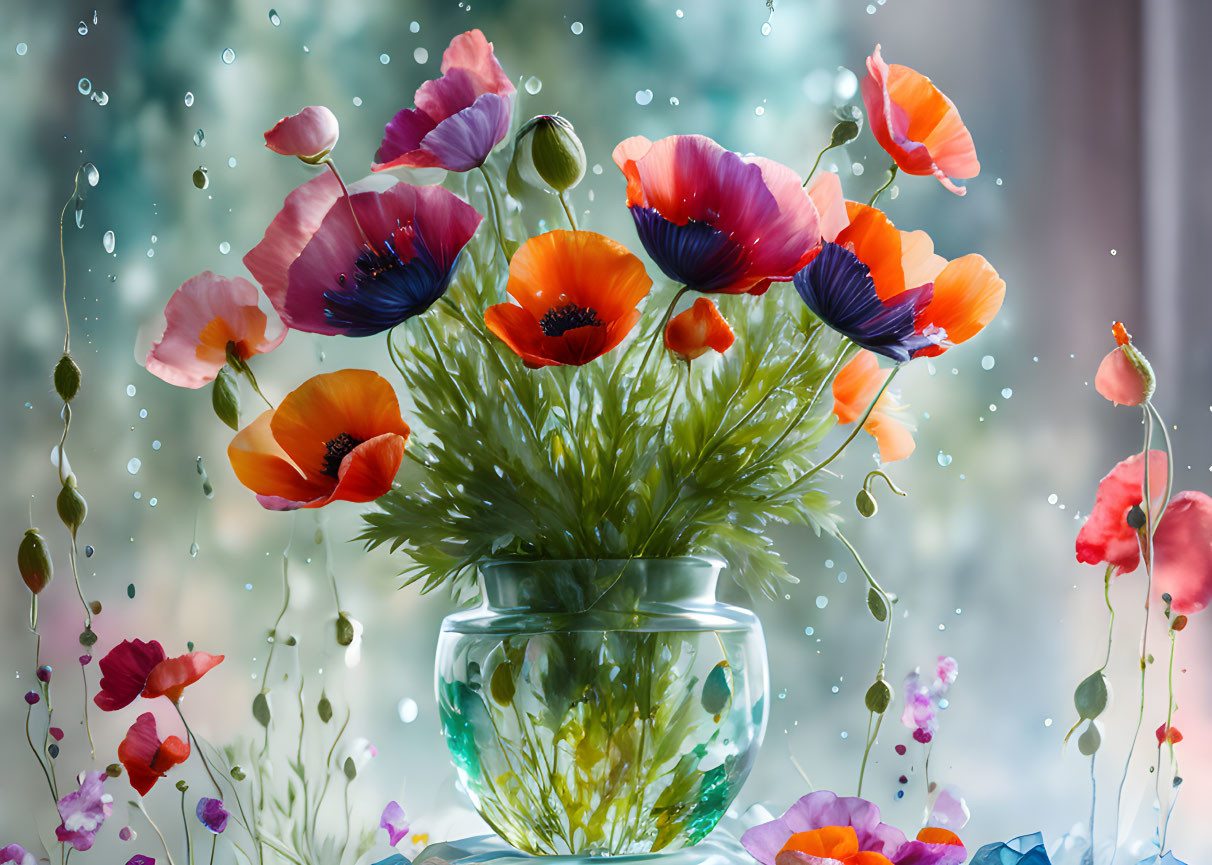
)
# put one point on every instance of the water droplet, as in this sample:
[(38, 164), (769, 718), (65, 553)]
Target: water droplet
[(85, 86), (101, 98), (88, 551), (1047, 722), (533, 85), (845, 85), (91, 174), (577, 28), (673, 100), (108, 241), (414, 27), (133, 465), (408, 710), (680, 14), (130, 591), (143, 413), (759, 111), (384, 59), (79, 213), (1052, 499), (821, 602), (153, 501), (944, 460), (231, 162), (82, 28), (224, 248), (189, 99), (274, 18), (94, 17), (421, 55), (248, 587), (130, 390), (870, 8), (857, 169), (21, 49), (597, 169), (809, 631), (201, 180), (1113, 252), (199, 138), (157, 444), (151, 253), (193, 550), (998, 181), (987, 362), (229, 56), (783, 694), (357, 101), (1007, 393), (643, 97), (841, 576)]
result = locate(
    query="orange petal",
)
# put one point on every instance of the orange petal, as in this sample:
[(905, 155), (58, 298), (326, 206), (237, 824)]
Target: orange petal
[(519, 330), (625, 155), (261, 465), (856, 386), (367, 471), (357, 402), (939, 835), (826, 193), (874, 239), (934, 121), (172, 676), (967, 295), (828, 842), (918, 258), (895, 440), (697, 330)]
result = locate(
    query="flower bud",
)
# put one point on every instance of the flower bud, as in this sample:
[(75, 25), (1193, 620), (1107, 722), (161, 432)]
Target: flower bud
[(44, 673), (260, 709), (71, 505), (237, 773), (345, 630), (310, 135), (1090, 739), (87, 638), (324, 709), (350, 768), (547, 152), (34, 561), (865, 502), (32, 698), (846, 131), (67, 378), (114, 770), (182, 786), (1125, 376), (225, 398)]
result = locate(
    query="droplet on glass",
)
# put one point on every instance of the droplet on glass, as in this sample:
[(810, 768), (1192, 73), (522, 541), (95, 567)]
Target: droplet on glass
[(821, 602), (193, 550), (201, 180), (408, 710), (1007, 393), (189, 99), (643, 97), (577, 28), (224, 248), (130, 390), (384, 59), (987, 362), (82, 28), (108, 241), (231, 162), (421, 55), (766, 28), (533, 85), (229, 56), (944, 460), (857, 169), (274, 19), (673, 100), (101, 98), (199, 138), (84, 86), (414, 27), (133, 465), (21, 49), (79, 213), (88, 551), (357, 102)]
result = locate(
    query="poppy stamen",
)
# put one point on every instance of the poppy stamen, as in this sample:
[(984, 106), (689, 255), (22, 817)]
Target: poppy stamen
[(558, 321), (337, 449)]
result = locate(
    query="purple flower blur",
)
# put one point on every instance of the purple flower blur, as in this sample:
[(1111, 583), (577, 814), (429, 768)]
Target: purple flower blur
[(32, 697), (83, 811), (923, 701), (17, 854), (140, 859), (212, 815), (394, 822)]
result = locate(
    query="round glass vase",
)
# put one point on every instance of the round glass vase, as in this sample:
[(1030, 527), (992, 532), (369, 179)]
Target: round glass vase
[(603, 707)]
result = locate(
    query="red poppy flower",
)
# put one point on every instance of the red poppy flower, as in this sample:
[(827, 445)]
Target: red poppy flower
[(698, 330), (145, 757), (124, 673), (337, 437), (578, 293), (853, 390), (1106, 538), (170, 677), (1168, 734), (919, 127), (1124, 376)]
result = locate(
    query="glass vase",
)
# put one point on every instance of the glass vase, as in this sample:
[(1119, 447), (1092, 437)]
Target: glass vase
[(602, 707)]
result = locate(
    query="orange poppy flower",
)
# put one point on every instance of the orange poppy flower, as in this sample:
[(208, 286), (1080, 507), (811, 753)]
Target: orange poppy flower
[(832, 844), (697, 330), (577, 292), (337, 437), (919, 127), (145, 757), (171, 676), (853, 390)]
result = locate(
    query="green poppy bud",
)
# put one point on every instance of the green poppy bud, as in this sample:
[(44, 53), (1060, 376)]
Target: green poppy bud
[(345, 630), (34, 561), (67, 378), (324, 709), (877, 605), (547, 152), (182, 786), (846, 131), (225, 398), (237, 773), (1090, 739), (260, 709), (350, 768), (88, 639), (71, 505), (865, 502), (114, 770)]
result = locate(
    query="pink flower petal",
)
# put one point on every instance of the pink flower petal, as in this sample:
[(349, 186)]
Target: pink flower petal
[(1183, 552), (83, 811), (394, 821), (310, 134), (1119, 380), (1106, 538)]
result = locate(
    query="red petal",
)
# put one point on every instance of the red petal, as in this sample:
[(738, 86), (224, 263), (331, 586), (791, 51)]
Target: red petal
[(172, 676), (124, 673), (1106, 538)]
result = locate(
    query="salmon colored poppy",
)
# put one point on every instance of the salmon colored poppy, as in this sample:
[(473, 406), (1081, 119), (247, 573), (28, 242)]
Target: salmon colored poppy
[(828, 844), (577, 292), (205, 316), (310, 135), (172, 676), (854, 388), (919, 127), (1124, 377), (698, 330), (1106, 537), (146, 758), (1168, 735), (337, 437)]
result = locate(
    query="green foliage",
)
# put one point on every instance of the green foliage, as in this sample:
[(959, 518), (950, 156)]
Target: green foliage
[(608, 460)]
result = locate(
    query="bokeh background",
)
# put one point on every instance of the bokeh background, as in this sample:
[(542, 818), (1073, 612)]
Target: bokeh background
[(1092, 203)]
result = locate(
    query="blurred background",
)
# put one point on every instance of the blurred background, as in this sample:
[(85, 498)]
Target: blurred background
[(1091, 202)]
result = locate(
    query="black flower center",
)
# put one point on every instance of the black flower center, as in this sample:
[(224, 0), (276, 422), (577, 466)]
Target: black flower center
[(568, 317), (337, 448)]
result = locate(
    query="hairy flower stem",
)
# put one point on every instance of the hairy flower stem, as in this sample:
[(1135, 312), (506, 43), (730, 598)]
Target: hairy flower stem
[(167, 855), (891, 177), (496, 211), (332, 166)]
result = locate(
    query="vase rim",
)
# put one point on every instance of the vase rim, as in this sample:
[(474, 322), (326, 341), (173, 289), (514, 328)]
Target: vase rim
[(714, 561)]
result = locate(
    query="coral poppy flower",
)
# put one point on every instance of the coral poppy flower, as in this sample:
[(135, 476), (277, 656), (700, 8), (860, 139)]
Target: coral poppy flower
[(713, 220), (831, 844), (853, 390), (696, 331), (310, 135), (459, 117), (321, 276), (888, 292), (170, 677), (337, 437), (919, 127), (145, 757), (1124, 376), (124, 673), (1106, 537), (578, 293), (203, 317), (1168, 734)]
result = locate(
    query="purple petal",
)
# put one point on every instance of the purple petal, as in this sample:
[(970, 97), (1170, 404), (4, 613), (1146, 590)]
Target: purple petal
[(949, 810), (394, 822), (17, 854), (815, 811), (140, 859), (922, 853), (212, 815), (83, 811), (463, 141)]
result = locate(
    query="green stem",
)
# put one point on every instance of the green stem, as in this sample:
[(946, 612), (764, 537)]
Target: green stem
[(30, 739), (891, 177), (246, 370), (496, 212), (322, 531), (167, 855), (673, 395), (198, 748), (817, 163), (332, 166), (189, 841), (568, 212), (67, 322), (660, 331), (838, 360), (273, 634)]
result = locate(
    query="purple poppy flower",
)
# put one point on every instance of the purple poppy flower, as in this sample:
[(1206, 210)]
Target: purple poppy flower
[(212, 815), (17, 854), (318, 272), (140, 859), (394, 822), (83, 811), (459, 117)]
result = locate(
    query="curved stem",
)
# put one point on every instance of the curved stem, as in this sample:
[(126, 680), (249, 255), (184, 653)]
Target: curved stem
[(189, 841), (32, 747), (167, 855), (67, 322), (891, 177), (269, 656), (817, 163), (332, 166), (568, 212), (198, 747), (660, 331), (496, 212), (252, 380), (673, 395)]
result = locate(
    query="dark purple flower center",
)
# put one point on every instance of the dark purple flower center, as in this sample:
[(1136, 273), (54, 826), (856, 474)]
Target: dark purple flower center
[(336, 450), (387, 289), (559, 321)]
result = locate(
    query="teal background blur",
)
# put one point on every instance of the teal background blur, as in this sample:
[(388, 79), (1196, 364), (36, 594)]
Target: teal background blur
[(1091, 203)]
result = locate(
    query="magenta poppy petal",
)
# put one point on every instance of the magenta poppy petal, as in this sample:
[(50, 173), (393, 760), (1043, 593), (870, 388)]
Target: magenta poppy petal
[(402, 139), (124, 672), (925, 853), (309, 134), (394, 821), (1183, 552), (83, 810), (473, 53)]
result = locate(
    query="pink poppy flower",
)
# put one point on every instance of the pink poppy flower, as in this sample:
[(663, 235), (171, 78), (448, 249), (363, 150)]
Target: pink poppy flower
[(459, 117), (1106, 538), (1124, 377), (701, 210), (83, 811), (310, 135), (316, 268), (919, 127), (203, 317), (124, 673), (394, 821)]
